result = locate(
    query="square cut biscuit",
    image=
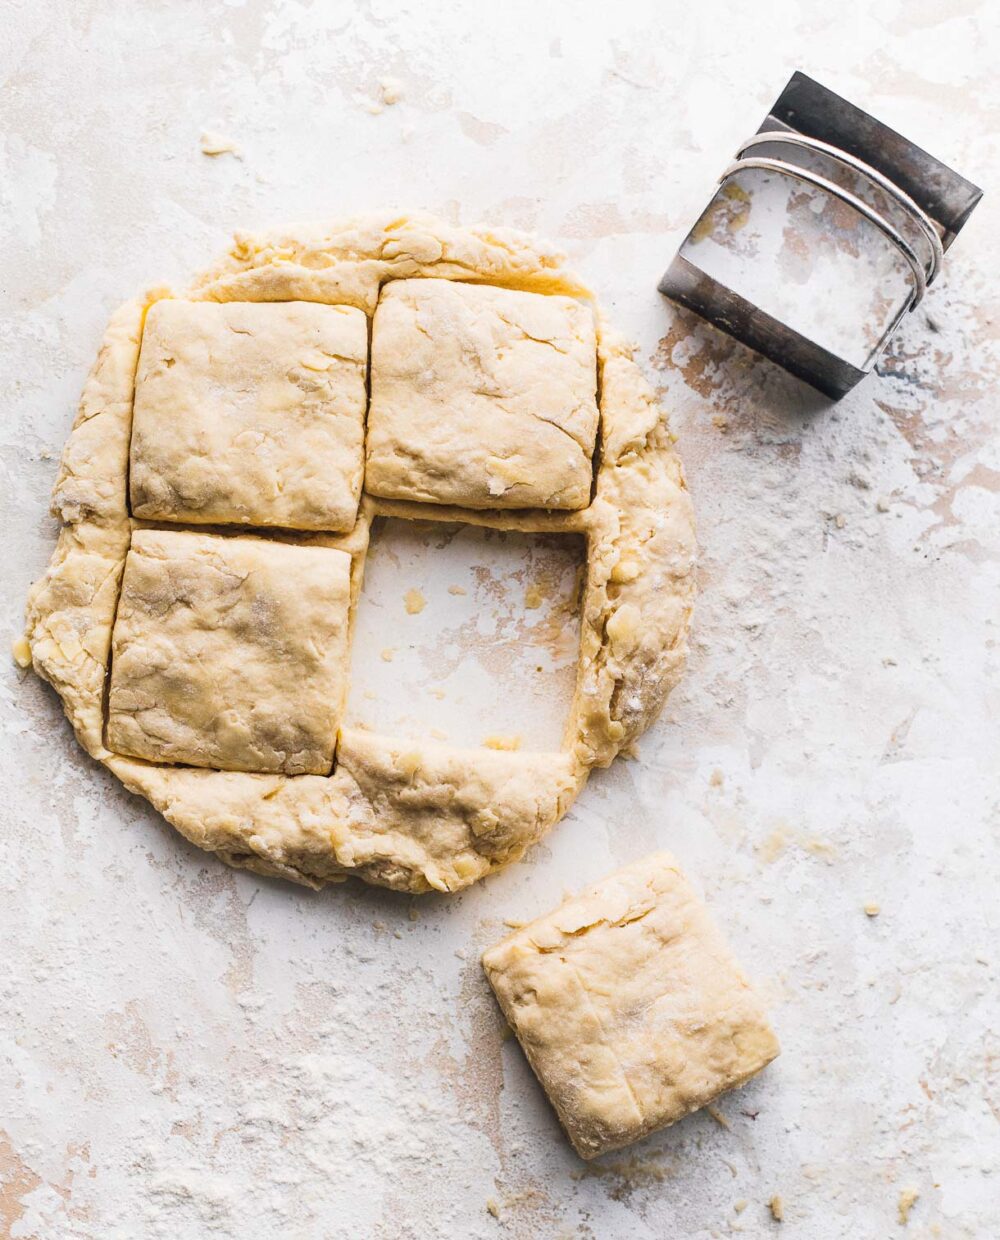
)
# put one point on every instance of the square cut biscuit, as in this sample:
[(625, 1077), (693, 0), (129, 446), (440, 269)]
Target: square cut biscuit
[(481, 397), (629, 1007), (250, 413), (229, 653)]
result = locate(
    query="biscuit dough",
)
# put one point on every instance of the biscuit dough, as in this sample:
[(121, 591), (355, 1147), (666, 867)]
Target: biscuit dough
[(417, 817), (629, 1006), (250, 413), (482, 397), (229, 653)]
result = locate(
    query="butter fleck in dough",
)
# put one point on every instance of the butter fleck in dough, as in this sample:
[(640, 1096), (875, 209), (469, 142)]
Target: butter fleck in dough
[(509, 743)]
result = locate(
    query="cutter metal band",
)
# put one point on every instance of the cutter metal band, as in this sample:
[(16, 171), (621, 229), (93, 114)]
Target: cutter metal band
[(914, 200), (920, 276), (919, 217)]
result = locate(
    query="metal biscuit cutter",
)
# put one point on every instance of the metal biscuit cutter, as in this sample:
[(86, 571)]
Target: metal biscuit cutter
[(825, 230)]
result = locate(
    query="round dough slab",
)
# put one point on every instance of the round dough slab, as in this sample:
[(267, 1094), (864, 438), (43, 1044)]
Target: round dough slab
[(416, 817)]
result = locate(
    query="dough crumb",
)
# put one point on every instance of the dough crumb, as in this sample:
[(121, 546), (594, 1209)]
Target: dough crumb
[(784, 837), (840, 520), (510, 743), (872, 909), (720, 423), (392, 90), (538, 592), (719, 1118), (457, 590), (21, 651), (907, 1200), (493, 1207), (716, 779), (770, 849), (388, 653), (415, 602), (409, 763), (740, 1206), (777, 1208), (213, 144)]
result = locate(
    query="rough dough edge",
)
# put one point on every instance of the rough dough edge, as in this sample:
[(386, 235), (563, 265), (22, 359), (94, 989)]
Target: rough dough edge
[(414, 817)]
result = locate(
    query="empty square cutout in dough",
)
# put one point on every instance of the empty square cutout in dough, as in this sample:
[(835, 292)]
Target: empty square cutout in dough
[(482, 397), (229, 653), (250, 413), (629, 1006), (467, 636)]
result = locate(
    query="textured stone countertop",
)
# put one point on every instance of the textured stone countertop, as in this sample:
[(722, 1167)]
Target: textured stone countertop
[(188, 1051)]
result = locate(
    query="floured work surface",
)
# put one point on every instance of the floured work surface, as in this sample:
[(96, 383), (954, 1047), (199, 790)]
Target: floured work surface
[(217, 495), (467, 635)]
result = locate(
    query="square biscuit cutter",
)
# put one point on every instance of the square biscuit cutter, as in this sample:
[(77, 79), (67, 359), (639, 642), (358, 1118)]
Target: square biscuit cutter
[(826, 229)]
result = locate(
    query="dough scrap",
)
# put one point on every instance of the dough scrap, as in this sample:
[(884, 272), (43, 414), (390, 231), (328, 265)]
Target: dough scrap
[(93, 471), (417, 817), (481, 397), (229, 653), (629, 1006), (68, 619), (348, 262), (250, 413), (640, 586)]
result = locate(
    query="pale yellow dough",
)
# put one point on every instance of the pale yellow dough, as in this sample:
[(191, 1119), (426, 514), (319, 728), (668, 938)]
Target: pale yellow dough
[(288, 307), (229, 653), (482, 397), (629, 1006), (251, 414)]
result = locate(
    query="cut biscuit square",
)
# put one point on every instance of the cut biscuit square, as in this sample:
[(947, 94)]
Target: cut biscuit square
[(229, 653), (482, 397), (629, 1006), (250, 413)]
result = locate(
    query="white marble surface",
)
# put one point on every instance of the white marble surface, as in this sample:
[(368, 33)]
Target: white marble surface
[(191, 1052)]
